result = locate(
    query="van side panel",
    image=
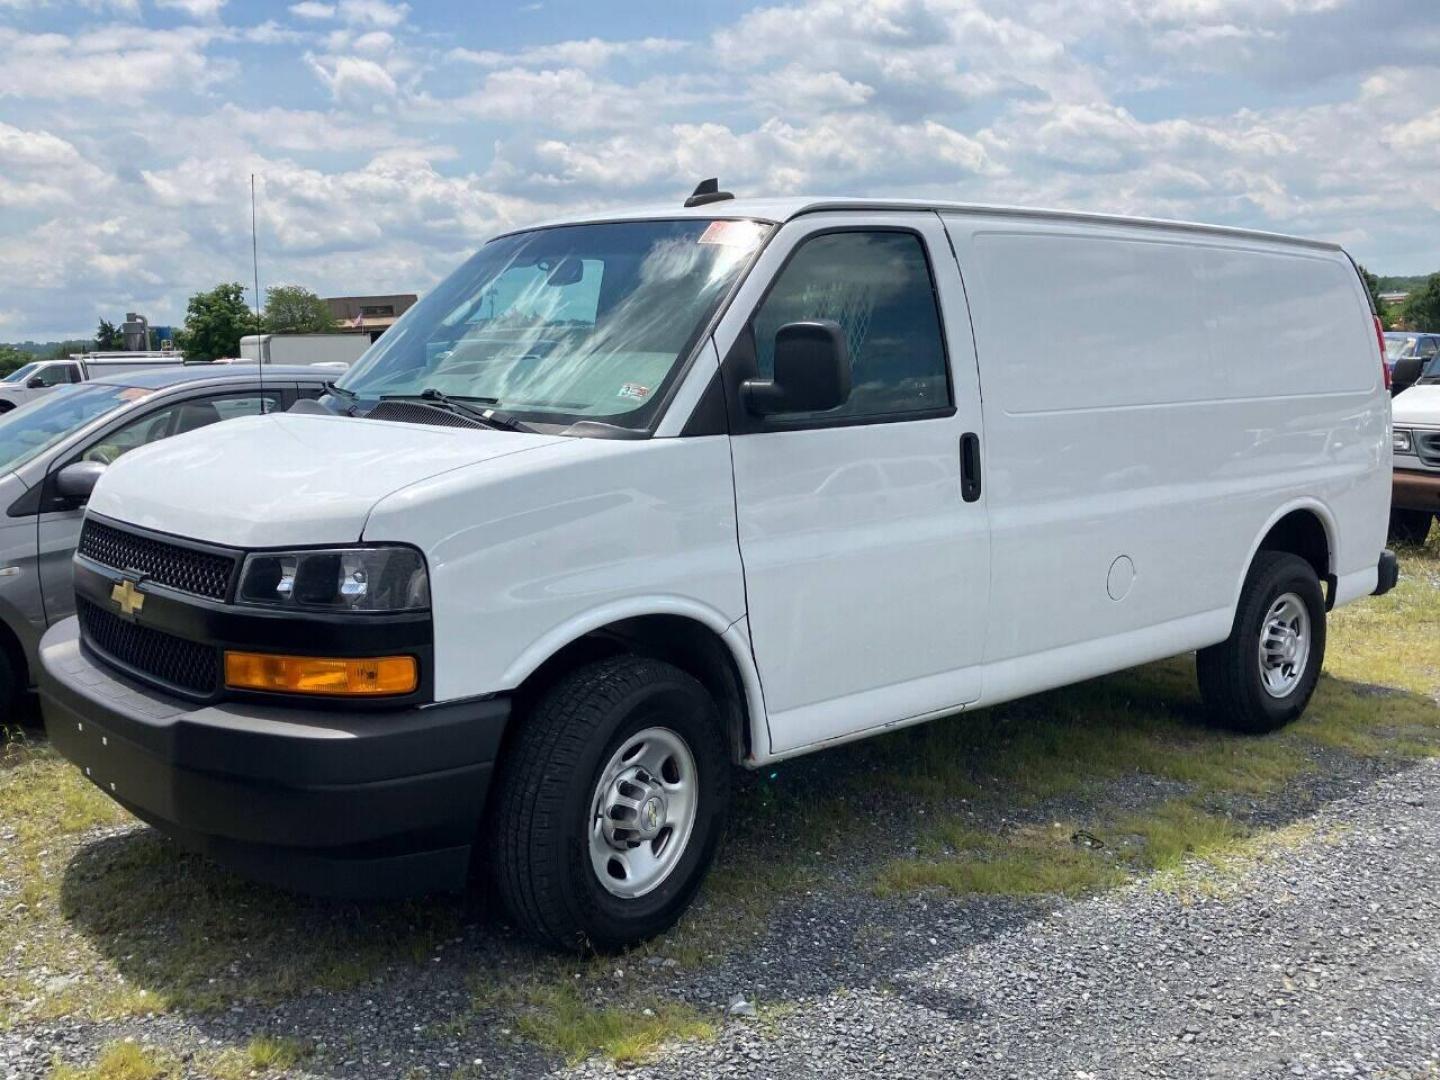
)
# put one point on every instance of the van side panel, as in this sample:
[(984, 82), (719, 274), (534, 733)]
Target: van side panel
[(1152, 402)]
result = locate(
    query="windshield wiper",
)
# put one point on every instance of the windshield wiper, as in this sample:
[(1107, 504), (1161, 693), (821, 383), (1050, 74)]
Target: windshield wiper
[(465, 406), (348, 396)]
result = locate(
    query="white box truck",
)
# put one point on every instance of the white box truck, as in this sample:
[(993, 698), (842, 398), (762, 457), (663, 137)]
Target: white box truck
[(330, 350), (641, 495)]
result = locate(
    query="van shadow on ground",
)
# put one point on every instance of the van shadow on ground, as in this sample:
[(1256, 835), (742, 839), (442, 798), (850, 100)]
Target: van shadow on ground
[(792, 912)]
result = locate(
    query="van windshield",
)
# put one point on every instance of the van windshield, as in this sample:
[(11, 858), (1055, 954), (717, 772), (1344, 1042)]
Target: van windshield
[(581, 322), (34, 428)]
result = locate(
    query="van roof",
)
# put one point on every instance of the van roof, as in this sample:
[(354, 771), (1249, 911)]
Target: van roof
[(783, 209)]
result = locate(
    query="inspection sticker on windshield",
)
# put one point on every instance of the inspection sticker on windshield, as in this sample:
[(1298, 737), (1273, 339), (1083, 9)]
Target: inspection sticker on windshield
[(634, 391), (737, 234)]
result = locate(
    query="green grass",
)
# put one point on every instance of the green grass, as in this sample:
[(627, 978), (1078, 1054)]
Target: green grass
[(263, 1054), (131, 925), (122, 1061), (625, 1028)]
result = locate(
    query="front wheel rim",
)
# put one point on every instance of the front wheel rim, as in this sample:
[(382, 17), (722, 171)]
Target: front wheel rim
[(1285, 639), (642, 812)]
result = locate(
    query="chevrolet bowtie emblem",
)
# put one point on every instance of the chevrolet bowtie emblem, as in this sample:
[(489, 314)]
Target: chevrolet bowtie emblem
[(130, 599)]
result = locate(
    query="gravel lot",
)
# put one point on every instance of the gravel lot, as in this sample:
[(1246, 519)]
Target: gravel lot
[(1323, 960)]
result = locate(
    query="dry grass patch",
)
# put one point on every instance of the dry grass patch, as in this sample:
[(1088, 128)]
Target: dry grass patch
[(122, 1061)]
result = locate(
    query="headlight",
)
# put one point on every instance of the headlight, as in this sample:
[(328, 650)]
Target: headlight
[(339, 579), (1403, 442)]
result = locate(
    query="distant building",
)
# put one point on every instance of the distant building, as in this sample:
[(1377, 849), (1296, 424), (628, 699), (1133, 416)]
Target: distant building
[(136, 331), (1393, 297), (371, 315)]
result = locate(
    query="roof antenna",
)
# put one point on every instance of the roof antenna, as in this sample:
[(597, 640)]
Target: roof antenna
[(255, 263), (707, 191)]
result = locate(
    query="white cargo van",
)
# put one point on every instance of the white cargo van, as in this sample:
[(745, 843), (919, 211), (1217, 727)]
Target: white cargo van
[(630, 498)]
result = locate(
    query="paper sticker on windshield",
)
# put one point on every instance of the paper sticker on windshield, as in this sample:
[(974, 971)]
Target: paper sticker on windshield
[(633, 391), (736, 234)]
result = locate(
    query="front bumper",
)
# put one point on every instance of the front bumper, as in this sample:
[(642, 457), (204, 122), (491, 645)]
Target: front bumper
[(1415, 490), (333, 803)]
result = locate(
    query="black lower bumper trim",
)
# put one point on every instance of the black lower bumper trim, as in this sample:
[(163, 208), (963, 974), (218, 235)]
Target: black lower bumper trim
[(1389, 573), (345, 804)]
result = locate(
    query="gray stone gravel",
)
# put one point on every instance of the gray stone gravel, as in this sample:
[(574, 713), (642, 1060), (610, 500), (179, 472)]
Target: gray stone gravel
[(1325, 962), (1322, 961)]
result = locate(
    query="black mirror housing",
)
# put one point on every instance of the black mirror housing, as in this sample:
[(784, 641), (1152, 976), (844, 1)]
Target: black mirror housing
[(77, 480), (34, 382), (1406, 373), (812, 371)]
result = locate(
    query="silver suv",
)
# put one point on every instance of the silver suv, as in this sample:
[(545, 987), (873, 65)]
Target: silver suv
[(53, 450)]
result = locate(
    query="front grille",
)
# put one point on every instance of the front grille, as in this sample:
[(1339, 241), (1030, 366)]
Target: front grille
[(1427, 446), (203, 573), (165, 657)]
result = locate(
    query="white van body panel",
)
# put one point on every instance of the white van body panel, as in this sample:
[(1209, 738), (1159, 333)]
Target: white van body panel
[(866, 574), (531, 554), (1134, 409), (288, 478)]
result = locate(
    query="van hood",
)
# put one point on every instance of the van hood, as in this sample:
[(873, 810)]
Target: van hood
[(1417, 405), (288, 479)]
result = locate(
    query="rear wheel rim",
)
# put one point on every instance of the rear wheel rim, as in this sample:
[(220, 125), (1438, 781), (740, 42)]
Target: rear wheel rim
[(642, 812), (1284, 648)]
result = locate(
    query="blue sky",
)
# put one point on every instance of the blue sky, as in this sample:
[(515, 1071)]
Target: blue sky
[(392, 138)]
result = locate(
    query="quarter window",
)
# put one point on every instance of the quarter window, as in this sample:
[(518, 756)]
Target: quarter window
[(877, 286)]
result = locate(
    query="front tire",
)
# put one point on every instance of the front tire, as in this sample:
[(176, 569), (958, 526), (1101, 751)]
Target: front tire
[(1410, 526), (1261, 677), (610, 805)]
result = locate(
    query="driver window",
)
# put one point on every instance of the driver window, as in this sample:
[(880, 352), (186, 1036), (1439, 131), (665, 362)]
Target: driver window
[(177, 420), (877, 286), (54, 375)]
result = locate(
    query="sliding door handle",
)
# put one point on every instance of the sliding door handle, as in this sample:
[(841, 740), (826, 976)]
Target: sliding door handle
[(970, 466)]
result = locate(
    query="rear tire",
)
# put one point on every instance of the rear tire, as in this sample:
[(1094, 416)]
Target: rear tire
[(9, 691), (1261, 677), (1410, 526), (611, 757)]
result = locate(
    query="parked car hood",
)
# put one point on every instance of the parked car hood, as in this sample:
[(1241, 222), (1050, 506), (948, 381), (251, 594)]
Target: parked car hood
[(269, 481), (1417, 405)]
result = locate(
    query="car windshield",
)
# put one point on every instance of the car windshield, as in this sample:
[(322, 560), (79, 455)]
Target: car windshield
[(581, 322), (1397, 346), (34, 428), (21, 373)]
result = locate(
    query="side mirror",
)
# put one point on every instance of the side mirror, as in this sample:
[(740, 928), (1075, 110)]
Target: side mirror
[(1406, 373), (812, 371), (34, 382), (77, 480)]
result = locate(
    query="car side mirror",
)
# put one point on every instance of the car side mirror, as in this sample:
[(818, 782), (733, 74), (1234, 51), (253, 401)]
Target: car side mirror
[(77, 480), (812, 371), (1406, 373), (34, 382)]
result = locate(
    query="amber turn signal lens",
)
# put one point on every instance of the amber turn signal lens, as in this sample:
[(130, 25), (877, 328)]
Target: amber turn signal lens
[(369, 676)]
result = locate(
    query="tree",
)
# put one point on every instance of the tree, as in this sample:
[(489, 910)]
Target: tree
[(1373, 284), (109, 337), (12, 358), (1422, 308), (294, 309), (214, 323)]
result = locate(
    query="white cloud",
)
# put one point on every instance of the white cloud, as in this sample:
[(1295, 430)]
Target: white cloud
[(117, 64), (200, 10), (588, 54), (353, 80), (376, 14), (311, 9)]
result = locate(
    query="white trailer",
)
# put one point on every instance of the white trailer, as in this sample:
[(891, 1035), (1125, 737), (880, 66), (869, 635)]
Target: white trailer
[(309, 349)]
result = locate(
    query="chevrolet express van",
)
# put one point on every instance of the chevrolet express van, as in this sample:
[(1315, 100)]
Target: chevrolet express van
[(632, 497)]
